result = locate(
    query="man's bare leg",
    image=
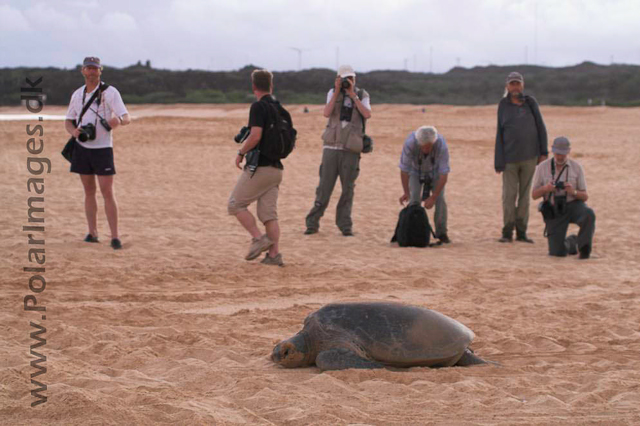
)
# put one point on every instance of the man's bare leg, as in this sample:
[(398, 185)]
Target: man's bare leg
[(248, 222), (90, 203), (110, 204), (273, 232)]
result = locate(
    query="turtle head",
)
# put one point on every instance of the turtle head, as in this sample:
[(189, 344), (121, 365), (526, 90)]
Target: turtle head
[(293, 352)]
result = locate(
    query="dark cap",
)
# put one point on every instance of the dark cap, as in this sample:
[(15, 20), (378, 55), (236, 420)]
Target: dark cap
[(515, 76), (91, 61), (561, 145)]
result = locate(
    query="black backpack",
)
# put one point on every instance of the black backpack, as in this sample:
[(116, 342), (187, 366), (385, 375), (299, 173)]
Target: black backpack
[(413, 229), (279, 136)]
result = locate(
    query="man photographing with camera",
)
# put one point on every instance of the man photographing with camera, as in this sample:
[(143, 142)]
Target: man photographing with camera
[(95, 110), (347, 109), (262, 174), (561, 182)]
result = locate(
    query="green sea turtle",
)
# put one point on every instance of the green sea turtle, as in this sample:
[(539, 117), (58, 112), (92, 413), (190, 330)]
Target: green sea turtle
[(377, 335)]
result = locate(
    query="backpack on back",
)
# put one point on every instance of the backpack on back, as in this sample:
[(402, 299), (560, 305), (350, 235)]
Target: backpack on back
[(413, 229), (279, 136)]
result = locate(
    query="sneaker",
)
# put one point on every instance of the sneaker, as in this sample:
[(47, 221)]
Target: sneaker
[(524, 239), (347, 233), (276, 261), (258, 245), (91, 239), (310, 231), (585, 252), (116, 244), (571, 243), (444, 239), (506, 239)]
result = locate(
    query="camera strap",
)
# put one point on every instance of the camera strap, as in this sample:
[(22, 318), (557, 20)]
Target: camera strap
[(431, 157), (528, 101), (85, 107), (553, 171), (359, 93)]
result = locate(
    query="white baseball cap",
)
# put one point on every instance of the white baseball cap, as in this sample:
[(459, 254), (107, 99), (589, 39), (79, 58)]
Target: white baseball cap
[(346, 71)]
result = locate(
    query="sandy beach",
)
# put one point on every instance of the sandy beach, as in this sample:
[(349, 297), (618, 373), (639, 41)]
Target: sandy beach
[(177, 327)]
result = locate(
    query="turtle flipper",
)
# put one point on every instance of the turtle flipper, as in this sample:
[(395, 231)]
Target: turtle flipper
[(469, 358), (341, 359)]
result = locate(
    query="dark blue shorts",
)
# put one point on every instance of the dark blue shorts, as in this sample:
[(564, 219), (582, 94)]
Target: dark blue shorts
[(93, 161)]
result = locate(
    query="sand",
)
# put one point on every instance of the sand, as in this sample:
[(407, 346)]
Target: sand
[(177, 327)]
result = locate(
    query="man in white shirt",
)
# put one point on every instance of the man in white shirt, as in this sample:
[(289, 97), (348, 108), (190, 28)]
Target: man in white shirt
[(561, 182), (347, 109), (93, 152)]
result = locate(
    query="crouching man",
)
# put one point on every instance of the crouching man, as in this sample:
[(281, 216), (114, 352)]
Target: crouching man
[(561, 182)]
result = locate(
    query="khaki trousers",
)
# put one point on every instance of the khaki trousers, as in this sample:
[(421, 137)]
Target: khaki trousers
[(516, 184)]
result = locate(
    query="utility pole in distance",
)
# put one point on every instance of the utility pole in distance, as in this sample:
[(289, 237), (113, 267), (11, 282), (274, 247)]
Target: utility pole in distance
[(431, 59), (299, 56)]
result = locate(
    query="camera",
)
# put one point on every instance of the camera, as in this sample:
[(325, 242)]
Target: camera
[(252, 159), (87, 132), (426, 179), (242, 135), (367, 144), (559, 185), (345, 83)]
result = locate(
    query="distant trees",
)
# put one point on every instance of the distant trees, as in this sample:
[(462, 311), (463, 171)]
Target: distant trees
[(614, 84)]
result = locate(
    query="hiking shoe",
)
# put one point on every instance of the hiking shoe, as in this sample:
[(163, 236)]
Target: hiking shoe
[(276, 261), (444, 239), (571, 243), (523, 238), (116, 244), (585, 252), (505, 239), (347, 233), (310, 231), (258, 245), (91, 239)]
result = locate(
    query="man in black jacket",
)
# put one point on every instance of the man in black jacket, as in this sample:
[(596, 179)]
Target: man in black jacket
[(521, 143)]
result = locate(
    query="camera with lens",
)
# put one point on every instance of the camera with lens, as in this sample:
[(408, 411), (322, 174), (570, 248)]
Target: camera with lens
[(242, 135), (345, 83), (559, 185), (87, 132)]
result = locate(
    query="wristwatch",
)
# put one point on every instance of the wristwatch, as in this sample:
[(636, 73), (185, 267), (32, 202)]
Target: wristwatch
[(240, 153)]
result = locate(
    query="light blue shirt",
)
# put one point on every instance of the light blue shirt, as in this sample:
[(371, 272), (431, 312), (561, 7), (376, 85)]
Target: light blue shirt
[(414, 162)]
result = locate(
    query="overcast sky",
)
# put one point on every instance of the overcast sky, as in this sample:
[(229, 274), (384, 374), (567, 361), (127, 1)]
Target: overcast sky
[(426, 35)]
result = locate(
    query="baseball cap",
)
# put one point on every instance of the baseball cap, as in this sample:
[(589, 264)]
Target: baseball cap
[(561, 145), (346, 71), (91, 61), (515, 76)]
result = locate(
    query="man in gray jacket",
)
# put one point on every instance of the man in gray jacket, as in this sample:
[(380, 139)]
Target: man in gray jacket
[(521, 143), (347, 109)]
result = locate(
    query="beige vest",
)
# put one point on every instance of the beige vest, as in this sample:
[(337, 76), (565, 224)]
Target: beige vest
[(348, 137)]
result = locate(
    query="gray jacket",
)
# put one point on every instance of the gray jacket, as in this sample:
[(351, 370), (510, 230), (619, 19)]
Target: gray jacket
[(521, 133)]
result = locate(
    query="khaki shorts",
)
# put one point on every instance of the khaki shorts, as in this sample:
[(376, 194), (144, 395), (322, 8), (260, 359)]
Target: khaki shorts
[(263, 187)]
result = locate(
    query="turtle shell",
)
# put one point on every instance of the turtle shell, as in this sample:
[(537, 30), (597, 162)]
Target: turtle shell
[(390, 333)]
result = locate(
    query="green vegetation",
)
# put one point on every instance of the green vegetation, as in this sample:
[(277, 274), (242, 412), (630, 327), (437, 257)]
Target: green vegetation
[(617, 85)]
